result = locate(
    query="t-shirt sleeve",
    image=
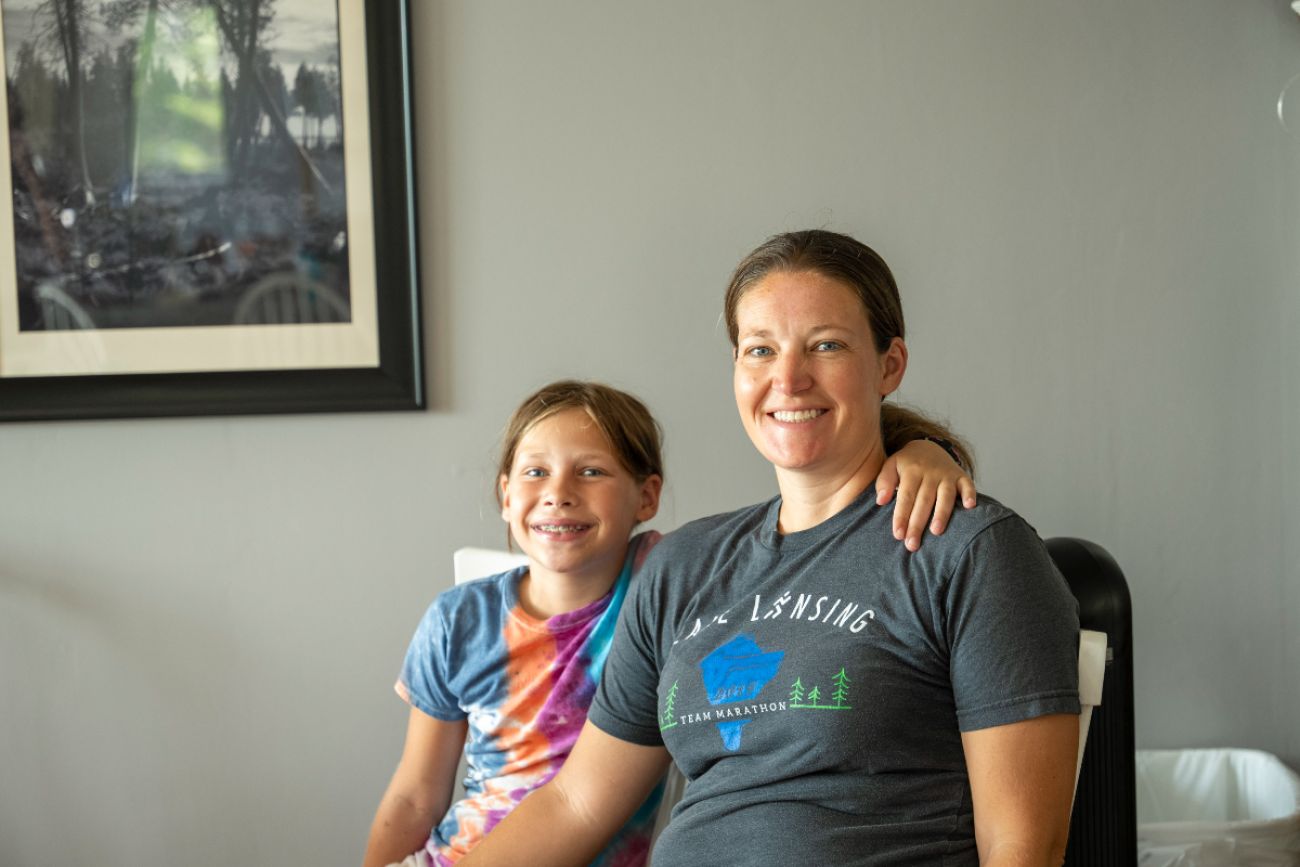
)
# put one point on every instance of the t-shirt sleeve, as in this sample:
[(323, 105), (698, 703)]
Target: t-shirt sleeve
[(627, 699), (424, 680), (1012, 630)]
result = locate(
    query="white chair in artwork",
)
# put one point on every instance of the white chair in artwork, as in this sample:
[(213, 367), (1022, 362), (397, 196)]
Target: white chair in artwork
[(288, 298), (59, 311), (471, 563)]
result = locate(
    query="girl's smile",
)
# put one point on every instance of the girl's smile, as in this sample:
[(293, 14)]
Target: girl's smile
[(571, 506)]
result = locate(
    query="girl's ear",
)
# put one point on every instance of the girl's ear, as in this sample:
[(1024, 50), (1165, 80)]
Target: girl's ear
[(648, 504), (893, 364), (503, 495)]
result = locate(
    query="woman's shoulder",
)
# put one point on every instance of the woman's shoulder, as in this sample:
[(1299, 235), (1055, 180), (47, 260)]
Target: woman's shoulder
[(990, 540), (966, 524), (989, 529)]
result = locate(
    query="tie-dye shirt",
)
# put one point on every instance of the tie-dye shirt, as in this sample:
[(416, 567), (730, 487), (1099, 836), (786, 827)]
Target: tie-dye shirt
[(525, 685)]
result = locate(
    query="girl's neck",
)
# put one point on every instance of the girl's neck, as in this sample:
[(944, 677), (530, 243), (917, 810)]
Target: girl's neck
[(809, 498), (544, 594)]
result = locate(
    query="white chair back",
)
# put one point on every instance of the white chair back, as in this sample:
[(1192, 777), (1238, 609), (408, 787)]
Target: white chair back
[(470, 563), (1092, 671)]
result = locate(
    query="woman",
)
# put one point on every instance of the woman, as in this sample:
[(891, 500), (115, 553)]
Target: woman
[(831, 698)]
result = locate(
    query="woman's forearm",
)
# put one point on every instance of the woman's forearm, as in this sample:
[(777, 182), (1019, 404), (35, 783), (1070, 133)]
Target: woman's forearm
[(570, 819), (546, 830)]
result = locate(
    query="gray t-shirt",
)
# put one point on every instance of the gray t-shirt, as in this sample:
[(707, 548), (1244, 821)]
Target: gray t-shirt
[(812, 687)]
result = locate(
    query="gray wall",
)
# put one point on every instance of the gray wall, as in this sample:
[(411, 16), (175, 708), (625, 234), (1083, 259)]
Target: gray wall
[(1092, 212)]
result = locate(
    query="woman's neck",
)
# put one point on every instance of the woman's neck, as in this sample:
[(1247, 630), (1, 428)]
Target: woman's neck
[(811, 497)]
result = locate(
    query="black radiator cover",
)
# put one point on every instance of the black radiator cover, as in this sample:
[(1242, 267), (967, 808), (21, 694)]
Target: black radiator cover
[(1103, 827)]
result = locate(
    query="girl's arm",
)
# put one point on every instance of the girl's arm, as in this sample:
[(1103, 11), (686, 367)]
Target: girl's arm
[(571, 818), (1022, 788), (420, 791), (928, 481)]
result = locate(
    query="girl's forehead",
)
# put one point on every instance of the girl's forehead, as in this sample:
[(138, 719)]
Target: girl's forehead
[(571, 429)]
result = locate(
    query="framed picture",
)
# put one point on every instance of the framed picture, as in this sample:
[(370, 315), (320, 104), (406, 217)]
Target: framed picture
[(211, 208)]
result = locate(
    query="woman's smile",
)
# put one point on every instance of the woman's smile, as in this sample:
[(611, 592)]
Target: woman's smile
[(797, 416), (808, 377)]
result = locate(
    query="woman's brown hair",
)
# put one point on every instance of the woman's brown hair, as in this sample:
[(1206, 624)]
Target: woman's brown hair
[(861, 269)]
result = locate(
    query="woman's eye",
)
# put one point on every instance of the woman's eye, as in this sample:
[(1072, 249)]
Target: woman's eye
[(758, 351), (828, 345)]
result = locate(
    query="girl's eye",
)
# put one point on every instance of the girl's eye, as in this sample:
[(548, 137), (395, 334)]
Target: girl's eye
[(533, 473), (594, 471)]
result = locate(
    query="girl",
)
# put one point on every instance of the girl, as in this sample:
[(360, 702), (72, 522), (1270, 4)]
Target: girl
[(505, 667)]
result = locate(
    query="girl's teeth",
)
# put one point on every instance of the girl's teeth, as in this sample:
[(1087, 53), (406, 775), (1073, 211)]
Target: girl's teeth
[(797, 415)]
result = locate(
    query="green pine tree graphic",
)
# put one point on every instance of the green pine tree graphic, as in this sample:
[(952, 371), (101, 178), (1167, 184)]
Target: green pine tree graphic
[(841, 681), (666, 721), (810, 700), (796, 692)]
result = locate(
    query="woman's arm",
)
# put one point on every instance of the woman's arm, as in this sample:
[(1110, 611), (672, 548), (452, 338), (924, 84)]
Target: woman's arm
[(420, 791), (570, 819), (1022, 789), (928, 481)]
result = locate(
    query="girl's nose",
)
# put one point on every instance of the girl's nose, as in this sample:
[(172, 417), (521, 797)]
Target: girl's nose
[(560, 491)]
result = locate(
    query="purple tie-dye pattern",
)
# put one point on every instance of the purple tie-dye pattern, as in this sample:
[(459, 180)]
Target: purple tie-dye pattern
[(494, 817), (565, 711), (550, 669)]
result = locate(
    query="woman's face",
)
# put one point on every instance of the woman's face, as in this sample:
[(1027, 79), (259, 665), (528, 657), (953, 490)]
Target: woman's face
[(808, 378)]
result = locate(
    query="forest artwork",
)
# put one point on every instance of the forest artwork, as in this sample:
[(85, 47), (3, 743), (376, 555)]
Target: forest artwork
[(176, 164)]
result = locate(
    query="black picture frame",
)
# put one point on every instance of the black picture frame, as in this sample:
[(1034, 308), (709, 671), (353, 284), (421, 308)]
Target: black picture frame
[(395, 383)]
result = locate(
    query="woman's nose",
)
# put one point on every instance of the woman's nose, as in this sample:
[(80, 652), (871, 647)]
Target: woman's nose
[(790, 374)]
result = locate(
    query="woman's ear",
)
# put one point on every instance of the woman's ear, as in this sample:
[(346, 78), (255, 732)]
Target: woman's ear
[(648, 506), (893, 364)]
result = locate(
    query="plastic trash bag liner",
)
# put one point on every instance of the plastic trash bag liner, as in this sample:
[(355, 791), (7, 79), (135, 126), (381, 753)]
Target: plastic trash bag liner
[(1217, 808)]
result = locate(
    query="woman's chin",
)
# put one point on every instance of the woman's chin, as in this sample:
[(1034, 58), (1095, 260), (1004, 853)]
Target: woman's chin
[(793, 460)]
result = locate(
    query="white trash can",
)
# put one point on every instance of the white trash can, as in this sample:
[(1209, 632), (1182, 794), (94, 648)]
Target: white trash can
[(1217, 808)]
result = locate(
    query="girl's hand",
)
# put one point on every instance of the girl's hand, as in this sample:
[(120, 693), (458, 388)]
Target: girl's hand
[(928, 481)]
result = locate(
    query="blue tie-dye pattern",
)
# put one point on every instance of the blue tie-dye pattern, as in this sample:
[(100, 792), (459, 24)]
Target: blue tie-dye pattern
[(602, 635), (490, 687)]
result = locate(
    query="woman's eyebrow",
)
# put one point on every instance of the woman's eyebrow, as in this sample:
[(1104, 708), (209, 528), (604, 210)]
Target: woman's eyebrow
[(763, 332)]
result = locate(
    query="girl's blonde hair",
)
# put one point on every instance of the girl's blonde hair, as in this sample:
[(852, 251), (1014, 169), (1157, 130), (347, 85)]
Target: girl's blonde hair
[(633, 433)]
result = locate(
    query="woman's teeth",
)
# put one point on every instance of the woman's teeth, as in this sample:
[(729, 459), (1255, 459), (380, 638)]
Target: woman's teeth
[(797, 415)]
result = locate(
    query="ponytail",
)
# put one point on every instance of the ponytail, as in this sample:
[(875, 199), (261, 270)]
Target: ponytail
[(900, 425)]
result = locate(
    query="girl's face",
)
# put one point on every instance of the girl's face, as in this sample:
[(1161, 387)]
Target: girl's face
[(570, 503), (808, 378)]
